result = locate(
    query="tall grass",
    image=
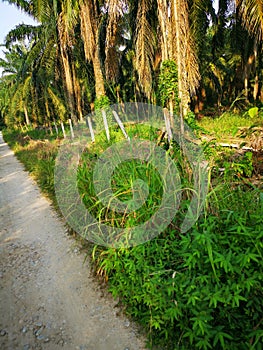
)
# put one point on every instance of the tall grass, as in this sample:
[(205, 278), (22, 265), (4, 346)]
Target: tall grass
[(227, 125)]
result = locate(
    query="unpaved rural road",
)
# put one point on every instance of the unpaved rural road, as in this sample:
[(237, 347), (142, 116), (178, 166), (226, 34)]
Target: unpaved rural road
[(48, 300)]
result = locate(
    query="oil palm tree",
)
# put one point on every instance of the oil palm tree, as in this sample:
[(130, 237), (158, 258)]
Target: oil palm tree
[(15, 84), (251, 14), (90, 22)]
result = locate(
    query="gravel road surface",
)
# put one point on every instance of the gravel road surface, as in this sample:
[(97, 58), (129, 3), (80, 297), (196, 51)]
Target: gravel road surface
[(48, 300)]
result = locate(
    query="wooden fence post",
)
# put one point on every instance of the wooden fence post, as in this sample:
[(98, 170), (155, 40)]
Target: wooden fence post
[(56, 128), (120, 125), (167, 124), (91, 129), (71, 129), (63, 130), (106, 124)]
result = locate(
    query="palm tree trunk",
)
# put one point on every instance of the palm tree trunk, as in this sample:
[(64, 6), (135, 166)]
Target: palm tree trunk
[(185, 55), (90, 35), (183, 104), (69, 85), (63, 45), (99, 81), (256, 87), (256, 84), (77, 92), (247, 71)]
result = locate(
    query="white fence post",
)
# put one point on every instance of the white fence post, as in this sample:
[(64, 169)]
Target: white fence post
[(71, 129), (168, 125), (120, 125), (91, 129), (63, 130), (56, 128), (106, 124)]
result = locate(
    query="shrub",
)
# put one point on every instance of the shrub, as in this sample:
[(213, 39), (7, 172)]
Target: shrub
[(200, 290)]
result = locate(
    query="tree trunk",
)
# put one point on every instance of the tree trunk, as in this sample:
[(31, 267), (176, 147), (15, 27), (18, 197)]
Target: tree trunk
[(164, 23), (77, 92), (99, 81), (179, 53), (63, 45), (69, 86), (247, 69), (256, 87), (90, 35), (256, 84)]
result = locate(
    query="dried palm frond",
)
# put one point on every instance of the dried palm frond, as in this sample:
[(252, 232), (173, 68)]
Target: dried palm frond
[(144, 47), (251, 12), (164, 28), (185, 52), (58, 104)]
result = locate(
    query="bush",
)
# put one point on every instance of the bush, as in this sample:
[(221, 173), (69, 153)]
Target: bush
[(200, 290)]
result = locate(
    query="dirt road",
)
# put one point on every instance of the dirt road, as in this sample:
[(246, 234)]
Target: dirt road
[(47, 298)]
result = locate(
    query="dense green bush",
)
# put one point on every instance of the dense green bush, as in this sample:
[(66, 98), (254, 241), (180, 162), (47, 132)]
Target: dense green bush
[(200, 290)]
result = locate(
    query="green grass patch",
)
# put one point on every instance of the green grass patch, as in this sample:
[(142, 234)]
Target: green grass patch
[(37, 151), (227, 126)]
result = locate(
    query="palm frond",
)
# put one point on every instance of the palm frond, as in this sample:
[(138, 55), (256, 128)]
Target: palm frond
[(22, 5), (58, 104), (144, 47), (251, 12), (22, 32), (43, 10)]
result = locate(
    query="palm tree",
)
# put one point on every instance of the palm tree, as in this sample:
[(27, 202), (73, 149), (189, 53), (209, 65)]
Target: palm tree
[(15, 83), (251, 14), (57, 20), (90, 21), (187, 63)]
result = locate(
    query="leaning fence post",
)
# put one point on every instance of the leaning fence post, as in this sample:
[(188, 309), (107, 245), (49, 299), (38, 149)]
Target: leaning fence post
[(120, 125), (63, 130), (71, 129), (106, 124)]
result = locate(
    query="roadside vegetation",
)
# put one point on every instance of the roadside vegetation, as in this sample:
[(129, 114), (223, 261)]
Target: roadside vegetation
[(196, 290)]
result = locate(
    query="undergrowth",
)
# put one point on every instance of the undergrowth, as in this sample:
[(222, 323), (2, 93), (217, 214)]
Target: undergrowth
[(227, 125), (198, 290)]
